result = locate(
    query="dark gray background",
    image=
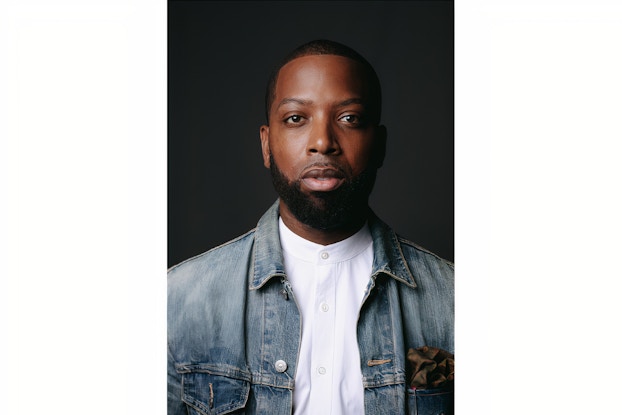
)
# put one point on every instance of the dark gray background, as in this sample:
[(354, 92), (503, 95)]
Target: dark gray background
[(219, 57)]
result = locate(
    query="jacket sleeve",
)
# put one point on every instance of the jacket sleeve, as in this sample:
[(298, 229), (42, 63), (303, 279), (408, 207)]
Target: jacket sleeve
[(175, 405)]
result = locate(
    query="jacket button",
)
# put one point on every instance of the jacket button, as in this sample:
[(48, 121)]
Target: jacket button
[(280, 366)]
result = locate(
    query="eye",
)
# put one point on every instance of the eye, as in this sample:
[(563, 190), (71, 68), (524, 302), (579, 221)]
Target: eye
[(351, 119), (293, 119)]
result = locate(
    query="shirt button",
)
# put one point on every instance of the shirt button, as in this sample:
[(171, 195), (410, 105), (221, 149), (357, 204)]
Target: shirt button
[(280, 366), (324, 255), (324, 307), (321, 370)]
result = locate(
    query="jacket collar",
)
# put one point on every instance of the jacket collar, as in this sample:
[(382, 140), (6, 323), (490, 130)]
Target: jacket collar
[(268, 256)]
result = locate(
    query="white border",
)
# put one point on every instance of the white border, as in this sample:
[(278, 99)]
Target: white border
[(538, 205), (83, 161)]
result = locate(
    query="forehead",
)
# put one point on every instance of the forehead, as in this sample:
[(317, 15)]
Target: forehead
[(323, 75)]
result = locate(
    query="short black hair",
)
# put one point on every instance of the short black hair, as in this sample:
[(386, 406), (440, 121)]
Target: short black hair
[(327, 47)]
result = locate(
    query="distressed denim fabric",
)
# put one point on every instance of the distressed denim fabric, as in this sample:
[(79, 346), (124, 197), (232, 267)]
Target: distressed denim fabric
[(234, 327)]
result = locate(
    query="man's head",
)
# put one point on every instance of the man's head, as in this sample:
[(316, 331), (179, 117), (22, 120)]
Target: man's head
[(322, 141)]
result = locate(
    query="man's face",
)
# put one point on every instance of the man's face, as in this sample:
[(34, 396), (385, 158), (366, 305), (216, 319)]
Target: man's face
[(321, 146)]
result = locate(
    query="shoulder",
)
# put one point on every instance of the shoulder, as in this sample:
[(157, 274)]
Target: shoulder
[(223, 259), (415, 264), (414, 252), (428, 269)]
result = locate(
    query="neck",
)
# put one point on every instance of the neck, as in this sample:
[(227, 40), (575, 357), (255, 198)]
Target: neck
[(319, 236)]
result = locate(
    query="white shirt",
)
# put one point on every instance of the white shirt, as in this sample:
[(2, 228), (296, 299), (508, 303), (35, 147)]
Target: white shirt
[(329, 283)]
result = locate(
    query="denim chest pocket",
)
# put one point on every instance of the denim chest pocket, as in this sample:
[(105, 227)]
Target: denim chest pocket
[(435, 401), (207, 392)]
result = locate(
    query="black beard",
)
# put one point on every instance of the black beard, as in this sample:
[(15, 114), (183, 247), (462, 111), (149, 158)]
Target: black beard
[(343, 208)]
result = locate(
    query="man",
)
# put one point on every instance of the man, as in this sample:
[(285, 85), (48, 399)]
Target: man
[(316, 309)]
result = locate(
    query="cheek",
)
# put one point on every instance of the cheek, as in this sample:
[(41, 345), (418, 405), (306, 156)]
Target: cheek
[(287, 146), (286, 158), (359, 155)]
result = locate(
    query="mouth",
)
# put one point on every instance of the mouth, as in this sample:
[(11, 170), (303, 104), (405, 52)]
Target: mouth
[(322, 179)]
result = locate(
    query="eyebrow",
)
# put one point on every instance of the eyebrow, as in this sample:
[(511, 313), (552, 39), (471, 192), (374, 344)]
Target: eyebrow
[(309, 102), (351, 101), (295, 101)]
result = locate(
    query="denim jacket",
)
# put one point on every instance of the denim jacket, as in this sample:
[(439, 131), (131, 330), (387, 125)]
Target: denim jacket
[(234, 327)]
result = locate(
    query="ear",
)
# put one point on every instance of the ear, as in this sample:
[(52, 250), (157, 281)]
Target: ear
[(264, 133), (380, 147)]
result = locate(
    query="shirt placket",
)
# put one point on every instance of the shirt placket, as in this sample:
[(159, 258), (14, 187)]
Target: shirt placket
[(323, 334)]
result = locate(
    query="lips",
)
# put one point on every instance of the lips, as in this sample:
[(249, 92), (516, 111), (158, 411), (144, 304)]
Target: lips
[(322, 179)]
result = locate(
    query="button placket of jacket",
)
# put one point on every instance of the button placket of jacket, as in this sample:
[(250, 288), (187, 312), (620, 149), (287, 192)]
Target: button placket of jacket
[(277, 345)]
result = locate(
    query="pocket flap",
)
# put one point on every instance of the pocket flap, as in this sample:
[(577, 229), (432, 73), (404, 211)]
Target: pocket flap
[(210, 393)]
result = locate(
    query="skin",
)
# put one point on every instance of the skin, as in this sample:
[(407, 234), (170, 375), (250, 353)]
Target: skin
[(320, 133)]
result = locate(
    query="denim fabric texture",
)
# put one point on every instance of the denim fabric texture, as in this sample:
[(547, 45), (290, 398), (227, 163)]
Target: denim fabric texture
[(436, 401), (234, 327)]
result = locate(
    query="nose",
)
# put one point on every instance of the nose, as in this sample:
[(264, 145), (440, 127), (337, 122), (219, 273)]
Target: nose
[(322, 138)]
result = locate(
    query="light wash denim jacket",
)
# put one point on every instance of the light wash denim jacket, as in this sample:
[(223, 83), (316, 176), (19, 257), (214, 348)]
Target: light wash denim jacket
[(234, 327)]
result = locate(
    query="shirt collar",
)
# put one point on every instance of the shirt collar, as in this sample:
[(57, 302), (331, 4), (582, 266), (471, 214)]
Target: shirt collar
[(308, 251), (268, 256)]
